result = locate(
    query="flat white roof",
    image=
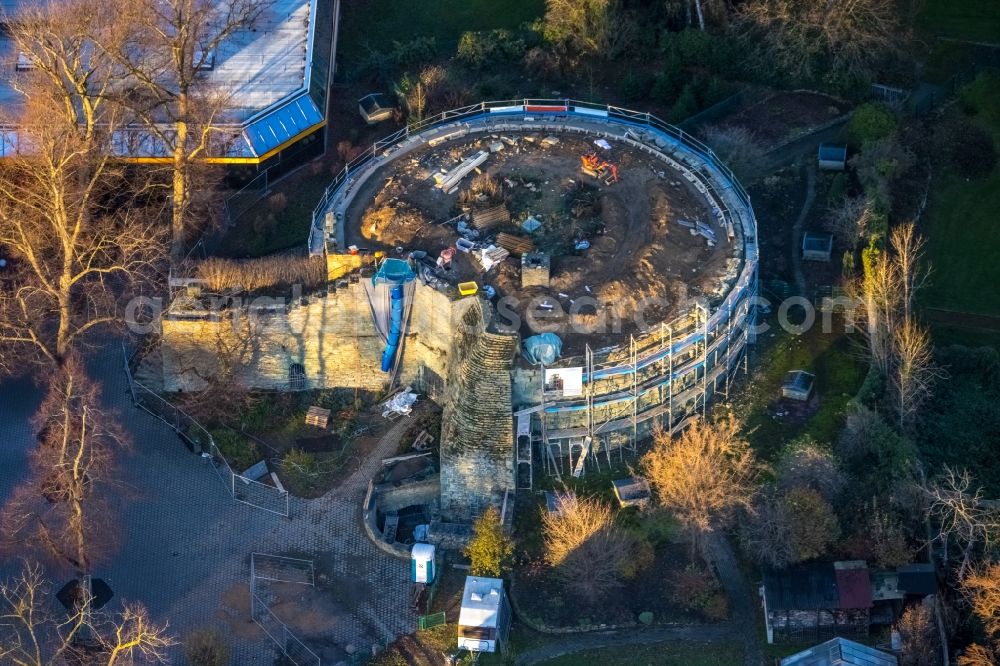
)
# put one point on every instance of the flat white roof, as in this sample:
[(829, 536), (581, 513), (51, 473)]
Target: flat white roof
[(481, 602), (263, 65), (263, 68)]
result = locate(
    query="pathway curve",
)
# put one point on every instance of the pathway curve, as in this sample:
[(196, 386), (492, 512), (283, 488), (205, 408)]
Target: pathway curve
[(796, 240), (572, 643), (185, 544), (719, 554)]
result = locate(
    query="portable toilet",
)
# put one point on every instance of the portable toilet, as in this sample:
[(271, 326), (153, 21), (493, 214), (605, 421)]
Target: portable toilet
[(422, 563)]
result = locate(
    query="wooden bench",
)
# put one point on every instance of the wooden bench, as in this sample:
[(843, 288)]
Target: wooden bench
[(317, 416)]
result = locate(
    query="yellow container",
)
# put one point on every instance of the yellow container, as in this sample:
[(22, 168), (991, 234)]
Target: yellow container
[(467, 288)]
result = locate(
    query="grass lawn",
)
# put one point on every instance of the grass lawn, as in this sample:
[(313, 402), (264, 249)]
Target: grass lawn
[(269, 227), (378, 23), (960, 222), (974, 20), (838, 363), (673, 653), (960, 226)]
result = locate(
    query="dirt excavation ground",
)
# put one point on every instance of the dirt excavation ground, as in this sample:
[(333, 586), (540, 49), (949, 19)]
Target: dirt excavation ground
[(637, 248)]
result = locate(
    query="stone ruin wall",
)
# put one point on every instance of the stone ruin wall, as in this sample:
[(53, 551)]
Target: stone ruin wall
[(477, 462), (333, 337)]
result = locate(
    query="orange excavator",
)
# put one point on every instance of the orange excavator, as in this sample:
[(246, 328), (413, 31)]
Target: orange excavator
[(596, 167)]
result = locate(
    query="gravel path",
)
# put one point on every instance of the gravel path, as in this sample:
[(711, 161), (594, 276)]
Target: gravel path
[(796, 240)]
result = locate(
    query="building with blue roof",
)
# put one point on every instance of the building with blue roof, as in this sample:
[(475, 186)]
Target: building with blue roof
[(275, 73)]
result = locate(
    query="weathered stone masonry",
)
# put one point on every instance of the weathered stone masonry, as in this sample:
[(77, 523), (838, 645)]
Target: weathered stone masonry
[(477, 429)]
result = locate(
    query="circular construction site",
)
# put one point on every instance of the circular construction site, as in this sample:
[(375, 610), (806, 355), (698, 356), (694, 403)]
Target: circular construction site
[(618, 249), (571, 232)]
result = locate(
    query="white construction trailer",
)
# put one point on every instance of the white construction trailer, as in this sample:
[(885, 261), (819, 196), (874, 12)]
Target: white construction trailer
[(484, 619)]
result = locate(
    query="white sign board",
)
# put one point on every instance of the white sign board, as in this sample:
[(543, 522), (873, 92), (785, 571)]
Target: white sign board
[(567, 380)]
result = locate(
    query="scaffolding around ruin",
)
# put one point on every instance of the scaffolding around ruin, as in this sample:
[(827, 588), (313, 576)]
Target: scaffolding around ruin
[(661, 378), (659, 381)]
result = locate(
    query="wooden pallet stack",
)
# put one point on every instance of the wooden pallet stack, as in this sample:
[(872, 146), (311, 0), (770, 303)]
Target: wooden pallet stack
[(516, 245), (317, 416), (490, 218)]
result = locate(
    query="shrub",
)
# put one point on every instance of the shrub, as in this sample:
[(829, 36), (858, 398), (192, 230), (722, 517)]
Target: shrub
[(646, 618), (696, 589), (489, 47), (239, 451), (870, 123), (669, 81), (635, 86), (414, 52), (685, 106), (390, 657), (814, 525), (261, 273), (301, 469), (490, 548), (207, 647), (806, 464), (642, 558), (982, 96)]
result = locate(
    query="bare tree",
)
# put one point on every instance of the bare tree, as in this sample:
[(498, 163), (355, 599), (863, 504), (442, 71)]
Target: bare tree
[(963, 516), (850, 34), (792, 527), (908, 248), (850, 220), (978, 655), (737, 148), (766, 533), (173, 44), (704, 474), (913, 371), (75, 227), (587, 550), (919, 636), (879, 291), (36, 636), (59, 510), (982, 589)]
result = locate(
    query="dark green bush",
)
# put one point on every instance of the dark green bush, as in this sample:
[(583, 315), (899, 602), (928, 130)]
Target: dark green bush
[(417, 51), (239, 451), (635, 86), (489, 47), (871, 123)]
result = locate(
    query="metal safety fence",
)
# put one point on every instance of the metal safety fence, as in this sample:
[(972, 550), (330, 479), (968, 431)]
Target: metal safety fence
[(275, 568), (242, 489)]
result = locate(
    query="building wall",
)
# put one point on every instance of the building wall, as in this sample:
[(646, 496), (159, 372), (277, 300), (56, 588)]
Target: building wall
[(477, 436), (332, 337)]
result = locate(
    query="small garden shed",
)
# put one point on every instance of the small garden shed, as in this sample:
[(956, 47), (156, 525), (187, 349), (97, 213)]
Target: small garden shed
[(375, 107), (633, 491), (798, 385), (832, 156), (817, 246)]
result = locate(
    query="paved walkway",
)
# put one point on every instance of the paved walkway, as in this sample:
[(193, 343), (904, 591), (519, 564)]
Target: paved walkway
[(718, 552), (185, 544)]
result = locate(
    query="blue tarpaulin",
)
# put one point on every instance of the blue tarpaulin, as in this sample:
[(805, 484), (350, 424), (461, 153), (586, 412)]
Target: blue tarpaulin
[(544, 348)]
